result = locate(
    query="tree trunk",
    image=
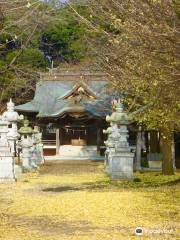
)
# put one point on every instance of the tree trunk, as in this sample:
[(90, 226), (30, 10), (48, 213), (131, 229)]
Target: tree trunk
[(137, 165), (166, 141), (154, 142), (1, 18)]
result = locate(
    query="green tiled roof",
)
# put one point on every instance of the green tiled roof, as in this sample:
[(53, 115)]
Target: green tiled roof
[(28, 107), (49, 99)]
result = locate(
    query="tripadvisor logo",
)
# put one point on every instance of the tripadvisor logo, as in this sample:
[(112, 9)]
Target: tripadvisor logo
[(139, 231)]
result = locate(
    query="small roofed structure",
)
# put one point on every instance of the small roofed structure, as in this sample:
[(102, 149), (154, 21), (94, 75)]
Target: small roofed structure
[(70, 106)]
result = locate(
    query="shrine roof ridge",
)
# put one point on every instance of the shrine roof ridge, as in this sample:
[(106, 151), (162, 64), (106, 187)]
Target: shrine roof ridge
[(66, 74)]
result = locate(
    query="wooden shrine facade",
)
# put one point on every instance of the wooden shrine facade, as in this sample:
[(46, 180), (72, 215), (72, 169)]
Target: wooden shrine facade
[(70, 107)]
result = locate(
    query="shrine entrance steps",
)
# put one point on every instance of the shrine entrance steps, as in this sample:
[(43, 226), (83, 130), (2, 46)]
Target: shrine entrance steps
[(69, 152), (60, 158)]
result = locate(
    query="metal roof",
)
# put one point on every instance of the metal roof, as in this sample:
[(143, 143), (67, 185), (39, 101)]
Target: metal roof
[(50, 101)]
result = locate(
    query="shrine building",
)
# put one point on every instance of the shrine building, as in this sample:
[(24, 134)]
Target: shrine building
[(70, 107)]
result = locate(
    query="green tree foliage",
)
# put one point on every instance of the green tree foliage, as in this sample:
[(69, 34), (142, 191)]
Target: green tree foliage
[(63, 40), (21, 24), (31, 36), (30, 57), (23, 53)]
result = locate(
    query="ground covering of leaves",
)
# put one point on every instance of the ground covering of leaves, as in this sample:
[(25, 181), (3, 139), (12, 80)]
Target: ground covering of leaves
[(75, 200)]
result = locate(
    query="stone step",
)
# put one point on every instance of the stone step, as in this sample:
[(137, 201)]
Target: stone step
[(84, 151), (70, 158)]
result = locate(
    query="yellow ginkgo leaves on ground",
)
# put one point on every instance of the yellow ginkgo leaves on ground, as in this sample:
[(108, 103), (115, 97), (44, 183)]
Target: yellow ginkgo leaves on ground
[(75, 200)]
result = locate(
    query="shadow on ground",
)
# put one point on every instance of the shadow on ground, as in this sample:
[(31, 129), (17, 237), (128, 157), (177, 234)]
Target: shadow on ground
[(54, 226), (79, 188), (110, 185), (141, 180)]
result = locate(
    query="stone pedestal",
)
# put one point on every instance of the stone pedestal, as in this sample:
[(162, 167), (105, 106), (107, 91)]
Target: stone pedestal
[(122, 160), (26, 155), (121, 166), (6, 157)]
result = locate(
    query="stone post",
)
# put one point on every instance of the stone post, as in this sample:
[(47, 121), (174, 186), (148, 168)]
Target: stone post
[(7, 172), (57, 141)]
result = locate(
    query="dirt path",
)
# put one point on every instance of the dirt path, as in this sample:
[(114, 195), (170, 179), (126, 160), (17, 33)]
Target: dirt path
[(75, 200)]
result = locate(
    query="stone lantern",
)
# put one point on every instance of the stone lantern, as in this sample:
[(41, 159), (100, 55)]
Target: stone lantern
[(26, 143), (120, 161), (13, 118), (7, 172), (113, 137), (39, 145)]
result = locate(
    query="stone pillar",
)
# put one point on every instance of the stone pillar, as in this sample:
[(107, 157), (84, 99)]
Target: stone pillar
[(7, 172), (57, 140)]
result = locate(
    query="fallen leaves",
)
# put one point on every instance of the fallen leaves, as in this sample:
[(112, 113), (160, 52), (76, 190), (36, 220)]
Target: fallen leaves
[(79, 202)]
